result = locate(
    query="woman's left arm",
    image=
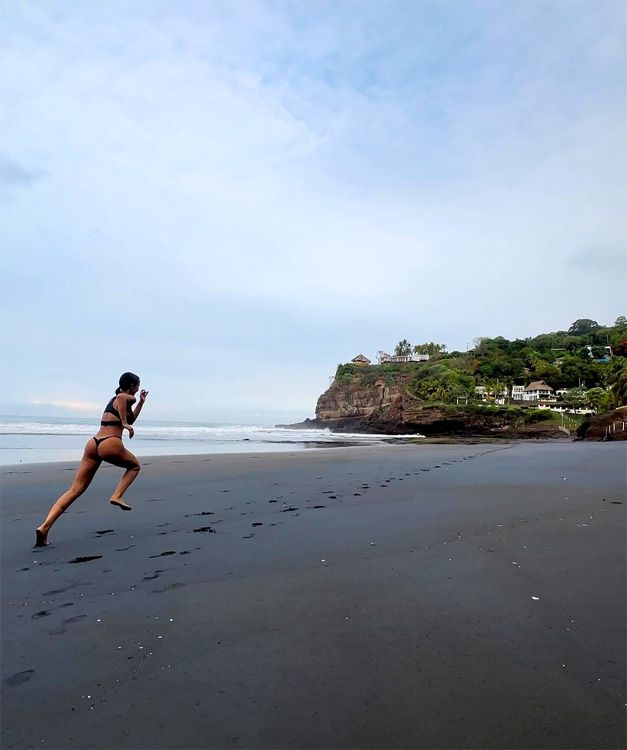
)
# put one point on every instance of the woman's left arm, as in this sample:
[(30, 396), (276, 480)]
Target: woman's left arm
[(138, 408)]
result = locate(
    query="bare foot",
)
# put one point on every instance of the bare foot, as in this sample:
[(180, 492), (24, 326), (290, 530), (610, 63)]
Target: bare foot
[(121, 504), (41, 539)]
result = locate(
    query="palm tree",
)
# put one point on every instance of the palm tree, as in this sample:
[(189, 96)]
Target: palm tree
[(403, 348), (619, 387)]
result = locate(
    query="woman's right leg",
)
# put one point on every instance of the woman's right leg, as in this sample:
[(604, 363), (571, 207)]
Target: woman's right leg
[(113, 451), (85, 473)]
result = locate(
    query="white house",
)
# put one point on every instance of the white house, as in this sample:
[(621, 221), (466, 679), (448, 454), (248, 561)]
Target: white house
[(484, 393), (384, 358), (518, 392), (537, 390)]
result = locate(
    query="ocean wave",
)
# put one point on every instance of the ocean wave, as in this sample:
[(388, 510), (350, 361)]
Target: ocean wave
[(195, 433)]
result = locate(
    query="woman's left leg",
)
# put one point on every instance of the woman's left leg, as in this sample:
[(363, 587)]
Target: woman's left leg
[(85, 473)]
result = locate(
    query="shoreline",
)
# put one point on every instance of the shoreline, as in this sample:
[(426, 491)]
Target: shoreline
[(393, 442), (368, 597)]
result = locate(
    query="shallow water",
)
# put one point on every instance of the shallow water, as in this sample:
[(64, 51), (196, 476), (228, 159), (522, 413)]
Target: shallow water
[(27, 440)]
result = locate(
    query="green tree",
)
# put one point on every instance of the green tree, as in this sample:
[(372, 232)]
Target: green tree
[(403, 348), (620, 321), (430, 348), (576, 369), (599, 399), (620, 348), (582, 326), (618, 386), (598, 352)]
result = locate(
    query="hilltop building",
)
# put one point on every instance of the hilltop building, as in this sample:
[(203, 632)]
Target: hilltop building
[(385, 359), (360, 360)]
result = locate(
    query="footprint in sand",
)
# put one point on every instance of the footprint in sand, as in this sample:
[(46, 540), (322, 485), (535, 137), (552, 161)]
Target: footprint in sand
[(19, 678), (55, 592), (60, 629), (156, 574), (164, 554), (72, 620), (206, 529), (39, 615), (171, 587), (88, 558), (124, 549)]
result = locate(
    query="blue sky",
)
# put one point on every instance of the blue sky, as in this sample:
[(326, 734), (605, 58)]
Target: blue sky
[(231, 198)]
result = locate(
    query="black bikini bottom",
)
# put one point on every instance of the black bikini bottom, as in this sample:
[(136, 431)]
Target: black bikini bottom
[(101, 440)]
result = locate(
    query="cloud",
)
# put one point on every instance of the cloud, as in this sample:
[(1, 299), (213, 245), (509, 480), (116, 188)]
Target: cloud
[(12, 173), (14, 176), (232, 186), (70, 405), (601, 261)]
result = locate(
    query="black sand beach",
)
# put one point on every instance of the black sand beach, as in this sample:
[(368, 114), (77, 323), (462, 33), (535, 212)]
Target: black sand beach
[(423, 596)]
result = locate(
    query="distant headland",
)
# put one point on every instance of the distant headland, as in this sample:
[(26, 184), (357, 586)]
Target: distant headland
[(553, 385)]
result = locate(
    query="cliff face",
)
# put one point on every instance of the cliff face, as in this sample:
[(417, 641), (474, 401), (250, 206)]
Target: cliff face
[(611, 426), (359, 402), (388, 407)]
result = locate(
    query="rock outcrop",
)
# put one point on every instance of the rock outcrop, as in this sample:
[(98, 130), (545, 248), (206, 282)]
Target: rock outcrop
[(385, 405), (610, 426)]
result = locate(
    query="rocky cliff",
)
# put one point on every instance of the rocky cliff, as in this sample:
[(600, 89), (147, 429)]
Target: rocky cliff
[(611, 426), (385, 405)]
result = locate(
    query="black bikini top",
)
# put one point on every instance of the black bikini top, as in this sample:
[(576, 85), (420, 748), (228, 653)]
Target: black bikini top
[(110, 409)]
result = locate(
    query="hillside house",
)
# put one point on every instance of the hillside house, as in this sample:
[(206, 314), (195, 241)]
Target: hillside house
[(486, 394), (518, 392), (360, 360), (538, 390), (385, 359), (607, 356)]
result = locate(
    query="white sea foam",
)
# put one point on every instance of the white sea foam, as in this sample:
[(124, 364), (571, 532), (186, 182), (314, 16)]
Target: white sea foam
[(196, 432), (29, 440)]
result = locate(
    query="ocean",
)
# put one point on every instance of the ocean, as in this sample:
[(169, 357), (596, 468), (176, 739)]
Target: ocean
[(27, 440)]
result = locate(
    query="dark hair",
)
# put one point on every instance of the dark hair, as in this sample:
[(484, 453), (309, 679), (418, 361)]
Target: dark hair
[(127, 379)]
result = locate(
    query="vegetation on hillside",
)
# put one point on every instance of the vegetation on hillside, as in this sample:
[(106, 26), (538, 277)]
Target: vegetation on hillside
[(577, 359)]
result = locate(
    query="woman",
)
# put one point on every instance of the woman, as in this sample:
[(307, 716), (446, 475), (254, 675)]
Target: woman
[(106, 445)]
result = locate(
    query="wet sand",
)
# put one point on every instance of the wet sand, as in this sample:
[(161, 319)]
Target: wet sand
[(427, 596)]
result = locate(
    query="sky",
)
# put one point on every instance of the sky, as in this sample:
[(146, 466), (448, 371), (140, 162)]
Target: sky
[(231, 198)]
